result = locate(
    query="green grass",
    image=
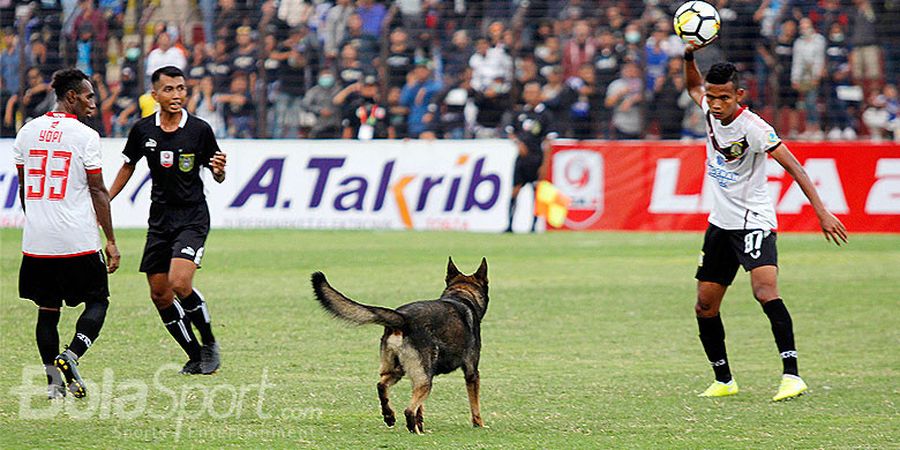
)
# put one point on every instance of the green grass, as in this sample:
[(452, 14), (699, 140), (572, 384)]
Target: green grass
[(589, 341)]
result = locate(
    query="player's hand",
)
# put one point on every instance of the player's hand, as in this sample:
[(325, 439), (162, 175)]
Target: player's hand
[(833, 228), (690, 48), (217, 163), (112, 257)]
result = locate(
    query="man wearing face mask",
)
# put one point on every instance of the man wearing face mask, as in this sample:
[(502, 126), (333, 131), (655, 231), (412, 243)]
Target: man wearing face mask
[(318, 103)]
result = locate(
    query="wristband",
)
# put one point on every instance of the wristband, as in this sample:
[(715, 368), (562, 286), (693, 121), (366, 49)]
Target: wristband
[(688, 56)]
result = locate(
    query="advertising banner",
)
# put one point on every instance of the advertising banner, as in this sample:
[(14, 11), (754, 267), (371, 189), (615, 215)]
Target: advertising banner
[(416, 185), (662, 186)]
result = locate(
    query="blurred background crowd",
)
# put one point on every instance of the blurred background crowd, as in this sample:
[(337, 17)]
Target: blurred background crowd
[(818, 69)]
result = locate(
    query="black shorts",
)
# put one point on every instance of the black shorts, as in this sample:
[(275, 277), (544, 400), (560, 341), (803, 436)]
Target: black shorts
[(50, 281), (526, 170), (174, 232), (724, 250)]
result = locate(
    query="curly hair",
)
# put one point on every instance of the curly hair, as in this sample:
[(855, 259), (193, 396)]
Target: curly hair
[(66, 80)]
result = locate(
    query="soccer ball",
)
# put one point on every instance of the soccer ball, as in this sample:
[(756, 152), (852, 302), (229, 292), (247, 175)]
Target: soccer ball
[(697, 23)]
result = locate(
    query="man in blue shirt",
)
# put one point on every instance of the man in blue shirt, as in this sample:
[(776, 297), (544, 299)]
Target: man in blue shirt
[(417, 95)]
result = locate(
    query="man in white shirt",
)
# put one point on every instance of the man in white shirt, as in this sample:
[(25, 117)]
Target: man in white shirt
[(165, 55), (63, 195), (742, 222)]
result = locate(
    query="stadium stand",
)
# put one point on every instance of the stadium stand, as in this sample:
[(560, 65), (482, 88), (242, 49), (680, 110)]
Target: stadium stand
[(819, 69)]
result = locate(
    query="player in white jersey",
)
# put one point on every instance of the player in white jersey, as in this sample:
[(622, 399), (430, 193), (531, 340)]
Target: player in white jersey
[(742, 222), (64, 198)]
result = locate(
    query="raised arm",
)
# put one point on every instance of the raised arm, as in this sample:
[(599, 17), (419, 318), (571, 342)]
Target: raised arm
[(693, 81), (100, 198), (832, 227)]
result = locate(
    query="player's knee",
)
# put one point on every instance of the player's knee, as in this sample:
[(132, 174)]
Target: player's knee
[(705, 308), (161, 299), (182, 287), (765, 292)]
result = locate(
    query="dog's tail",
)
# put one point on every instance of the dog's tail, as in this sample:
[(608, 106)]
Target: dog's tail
[(343, 308)]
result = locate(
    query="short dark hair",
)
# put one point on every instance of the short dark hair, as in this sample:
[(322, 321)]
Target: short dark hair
[(722, 73), (169, 71), (65, 80)]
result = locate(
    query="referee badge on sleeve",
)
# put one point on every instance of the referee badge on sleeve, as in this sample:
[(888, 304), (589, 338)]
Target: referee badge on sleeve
[(186, 162), (166, 158)]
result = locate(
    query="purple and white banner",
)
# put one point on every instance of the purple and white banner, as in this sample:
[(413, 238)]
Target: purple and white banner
[(419, 185)]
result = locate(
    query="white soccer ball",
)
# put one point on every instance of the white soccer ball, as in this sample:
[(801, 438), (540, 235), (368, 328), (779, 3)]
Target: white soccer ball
[(697, 23)]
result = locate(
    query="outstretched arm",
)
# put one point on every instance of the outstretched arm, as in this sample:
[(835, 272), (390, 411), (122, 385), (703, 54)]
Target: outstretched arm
[(832, 227)]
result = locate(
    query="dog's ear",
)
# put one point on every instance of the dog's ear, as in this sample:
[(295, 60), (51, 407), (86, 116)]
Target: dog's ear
[(481, 273), (452, 271)]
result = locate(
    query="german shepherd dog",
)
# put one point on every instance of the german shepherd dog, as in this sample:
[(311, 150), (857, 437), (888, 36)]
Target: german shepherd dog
[(422, 339)]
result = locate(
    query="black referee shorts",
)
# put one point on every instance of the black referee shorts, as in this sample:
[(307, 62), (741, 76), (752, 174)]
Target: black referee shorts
[(50, 281), (174, 232), (526, 170), (725, 250)]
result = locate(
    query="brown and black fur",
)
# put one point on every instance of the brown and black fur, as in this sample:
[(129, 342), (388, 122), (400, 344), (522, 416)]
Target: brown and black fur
[(423, 339)]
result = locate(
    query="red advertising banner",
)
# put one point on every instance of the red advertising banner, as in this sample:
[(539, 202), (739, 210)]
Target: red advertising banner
[(661, 186)]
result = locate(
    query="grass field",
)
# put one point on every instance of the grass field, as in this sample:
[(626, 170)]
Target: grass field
[(589, 342)]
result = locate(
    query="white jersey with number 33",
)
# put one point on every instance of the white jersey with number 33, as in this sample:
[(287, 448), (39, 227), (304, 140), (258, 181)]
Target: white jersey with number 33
[(736, 165), (57, 152)]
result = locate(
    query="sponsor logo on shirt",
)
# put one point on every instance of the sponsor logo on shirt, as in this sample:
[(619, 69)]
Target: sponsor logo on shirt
[(151, 143), (166, 158), (723, 177)]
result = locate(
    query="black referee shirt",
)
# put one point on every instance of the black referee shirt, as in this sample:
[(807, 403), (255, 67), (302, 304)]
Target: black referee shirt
[(532, 126), (174, 158)]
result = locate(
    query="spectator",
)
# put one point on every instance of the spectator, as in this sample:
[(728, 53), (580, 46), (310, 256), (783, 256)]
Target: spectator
[(398, 116), (548, 55), (336, 26), (7, 122), (625, 96), (37, 100), (837, 69), (400, 58), (807, 69), (350, 69), (372, 15), (666, 93), (122, 103), (446, 113), (164, 55), (292, 73), (783, 58), (493, 103), (865, 56), (86, 51), (693, 125), (880, 116), (456, 56), (221, 66), (488, 63), (656, 57), (634, 52), (296, 12), (588, 104), (244, 58), (202, 64), (526, 72), (580, 50), (364, 117), (366, 45), (203, 105), (417, 94), (558, 98), (9, 61), (239, 110), (318, 102), (92, 19)]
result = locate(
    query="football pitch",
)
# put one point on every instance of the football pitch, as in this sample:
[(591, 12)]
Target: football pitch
[(589, 342)]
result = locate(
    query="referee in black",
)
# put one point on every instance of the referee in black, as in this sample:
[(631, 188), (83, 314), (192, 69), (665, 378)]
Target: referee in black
[(177, 146), (532, 127)]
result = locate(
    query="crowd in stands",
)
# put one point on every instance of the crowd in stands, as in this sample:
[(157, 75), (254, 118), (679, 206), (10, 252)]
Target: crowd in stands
[(454, 69)]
